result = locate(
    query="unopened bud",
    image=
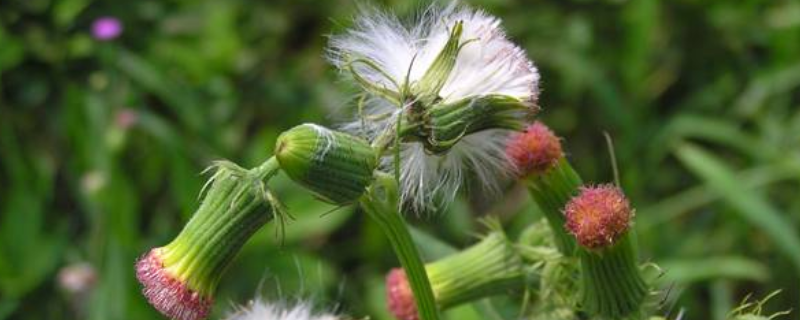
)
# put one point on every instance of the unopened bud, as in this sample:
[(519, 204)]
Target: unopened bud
[(535, 150), (336, 166), (612, 285), (539, 158), (598, 216)]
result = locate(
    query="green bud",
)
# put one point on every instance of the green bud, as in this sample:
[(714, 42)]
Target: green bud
[(336, 166)]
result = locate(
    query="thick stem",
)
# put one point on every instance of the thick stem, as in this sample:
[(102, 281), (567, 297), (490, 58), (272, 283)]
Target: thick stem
[(551, 191), (381, 202), (613, 286)]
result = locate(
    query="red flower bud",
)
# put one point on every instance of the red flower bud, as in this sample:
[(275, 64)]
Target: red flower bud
[(534, 150), (168, 294), (399, 296), (598, 216)]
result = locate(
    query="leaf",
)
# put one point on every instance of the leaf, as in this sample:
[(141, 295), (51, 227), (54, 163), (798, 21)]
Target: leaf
[(724, 267), (750, 206)]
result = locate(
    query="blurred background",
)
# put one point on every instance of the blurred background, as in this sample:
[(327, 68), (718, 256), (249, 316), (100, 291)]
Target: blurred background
[(106, 124)]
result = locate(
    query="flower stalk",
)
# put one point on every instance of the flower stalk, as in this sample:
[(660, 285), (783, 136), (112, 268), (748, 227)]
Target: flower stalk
[(180, 278), (382, 203)]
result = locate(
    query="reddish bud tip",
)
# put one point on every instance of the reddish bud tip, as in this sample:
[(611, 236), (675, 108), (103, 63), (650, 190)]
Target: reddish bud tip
[(598, 216), (166, 293), (534, 150), (400, 297)]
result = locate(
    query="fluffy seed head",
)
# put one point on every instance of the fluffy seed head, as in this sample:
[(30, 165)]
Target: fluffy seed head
[(454, 79), (399, 296), (598, 216), (265, 310), (168, 294), (535, 150)]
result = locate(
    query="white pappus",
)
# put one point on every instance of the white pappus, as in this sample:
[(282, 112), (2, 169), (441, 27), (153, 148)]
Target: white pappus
[(393, 62)]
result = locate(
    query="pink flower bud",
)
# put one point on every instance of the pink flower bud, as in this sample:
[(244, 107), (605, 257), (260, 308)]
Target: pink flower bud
[(168, 294), (399, 296), (598, 216), (535, 150)]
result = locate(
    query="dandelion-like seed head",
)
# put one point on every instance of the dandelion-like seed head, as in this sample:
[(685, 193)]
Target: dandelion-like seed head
[(453, 84), (598, 216), (535, 150)]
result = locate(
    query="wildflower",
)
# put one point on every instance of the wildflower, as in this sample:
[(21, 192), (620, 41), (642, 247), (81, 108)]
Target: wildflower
[(612, 284), (539, 159), (263, 310), (106, 28), (337, 166), (179, 279), (449, 87), (488, 268)]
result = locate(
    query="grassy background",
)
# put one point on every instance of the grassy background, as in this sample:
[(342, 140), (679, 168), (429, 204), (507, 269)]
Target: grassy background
[(702, 99)]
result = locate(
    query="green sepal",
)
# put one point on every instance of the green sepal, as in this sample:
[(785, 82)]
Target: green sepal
[(233, 208), (428, 87), (491, 267)]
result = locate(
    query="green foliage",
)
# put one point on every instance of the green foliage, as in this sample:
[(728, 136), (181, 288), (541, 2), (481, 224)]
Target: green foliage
[(102, 143)]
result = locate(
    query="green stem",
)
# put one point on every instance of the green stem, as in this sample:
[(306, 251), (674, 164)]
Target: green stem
[(613, 286), (551, 191), (381, 202)]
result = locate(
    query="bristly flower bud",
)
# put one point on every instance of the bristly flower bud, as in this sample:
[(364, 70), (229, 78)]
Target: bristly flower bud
[(179, 279), (539, 159), (598, 216), (611, 282), (491, 267), (336, 166), (535, 150)]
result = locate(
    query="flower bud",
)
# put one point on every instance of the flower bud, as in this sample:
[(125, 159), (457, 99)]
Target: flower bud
[(599, 216), (611, 282), (539, 158), (179, 279), (535, 150), (490, 267), (338, 167)]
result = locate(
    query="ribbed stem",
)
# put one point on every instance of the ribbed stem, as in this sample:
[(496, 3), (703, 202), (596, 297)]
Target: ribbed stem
[(612, 284), (232, 210), (551, 191), (488, 268), (381, 202)]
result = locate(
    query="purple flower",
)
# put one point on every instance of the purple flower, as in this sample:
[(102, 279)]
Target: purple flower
[(106, 28)]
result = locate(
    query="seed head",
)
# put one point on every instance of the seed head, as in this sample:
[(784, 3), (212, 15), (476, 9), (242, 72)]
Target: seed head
[(534, 150), (399, 296), (168, 294), (598, 216)]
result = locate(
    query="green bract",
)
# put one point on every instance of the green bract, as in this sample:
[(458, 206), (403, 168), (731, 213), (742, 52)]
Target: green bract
[(336, 166)]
